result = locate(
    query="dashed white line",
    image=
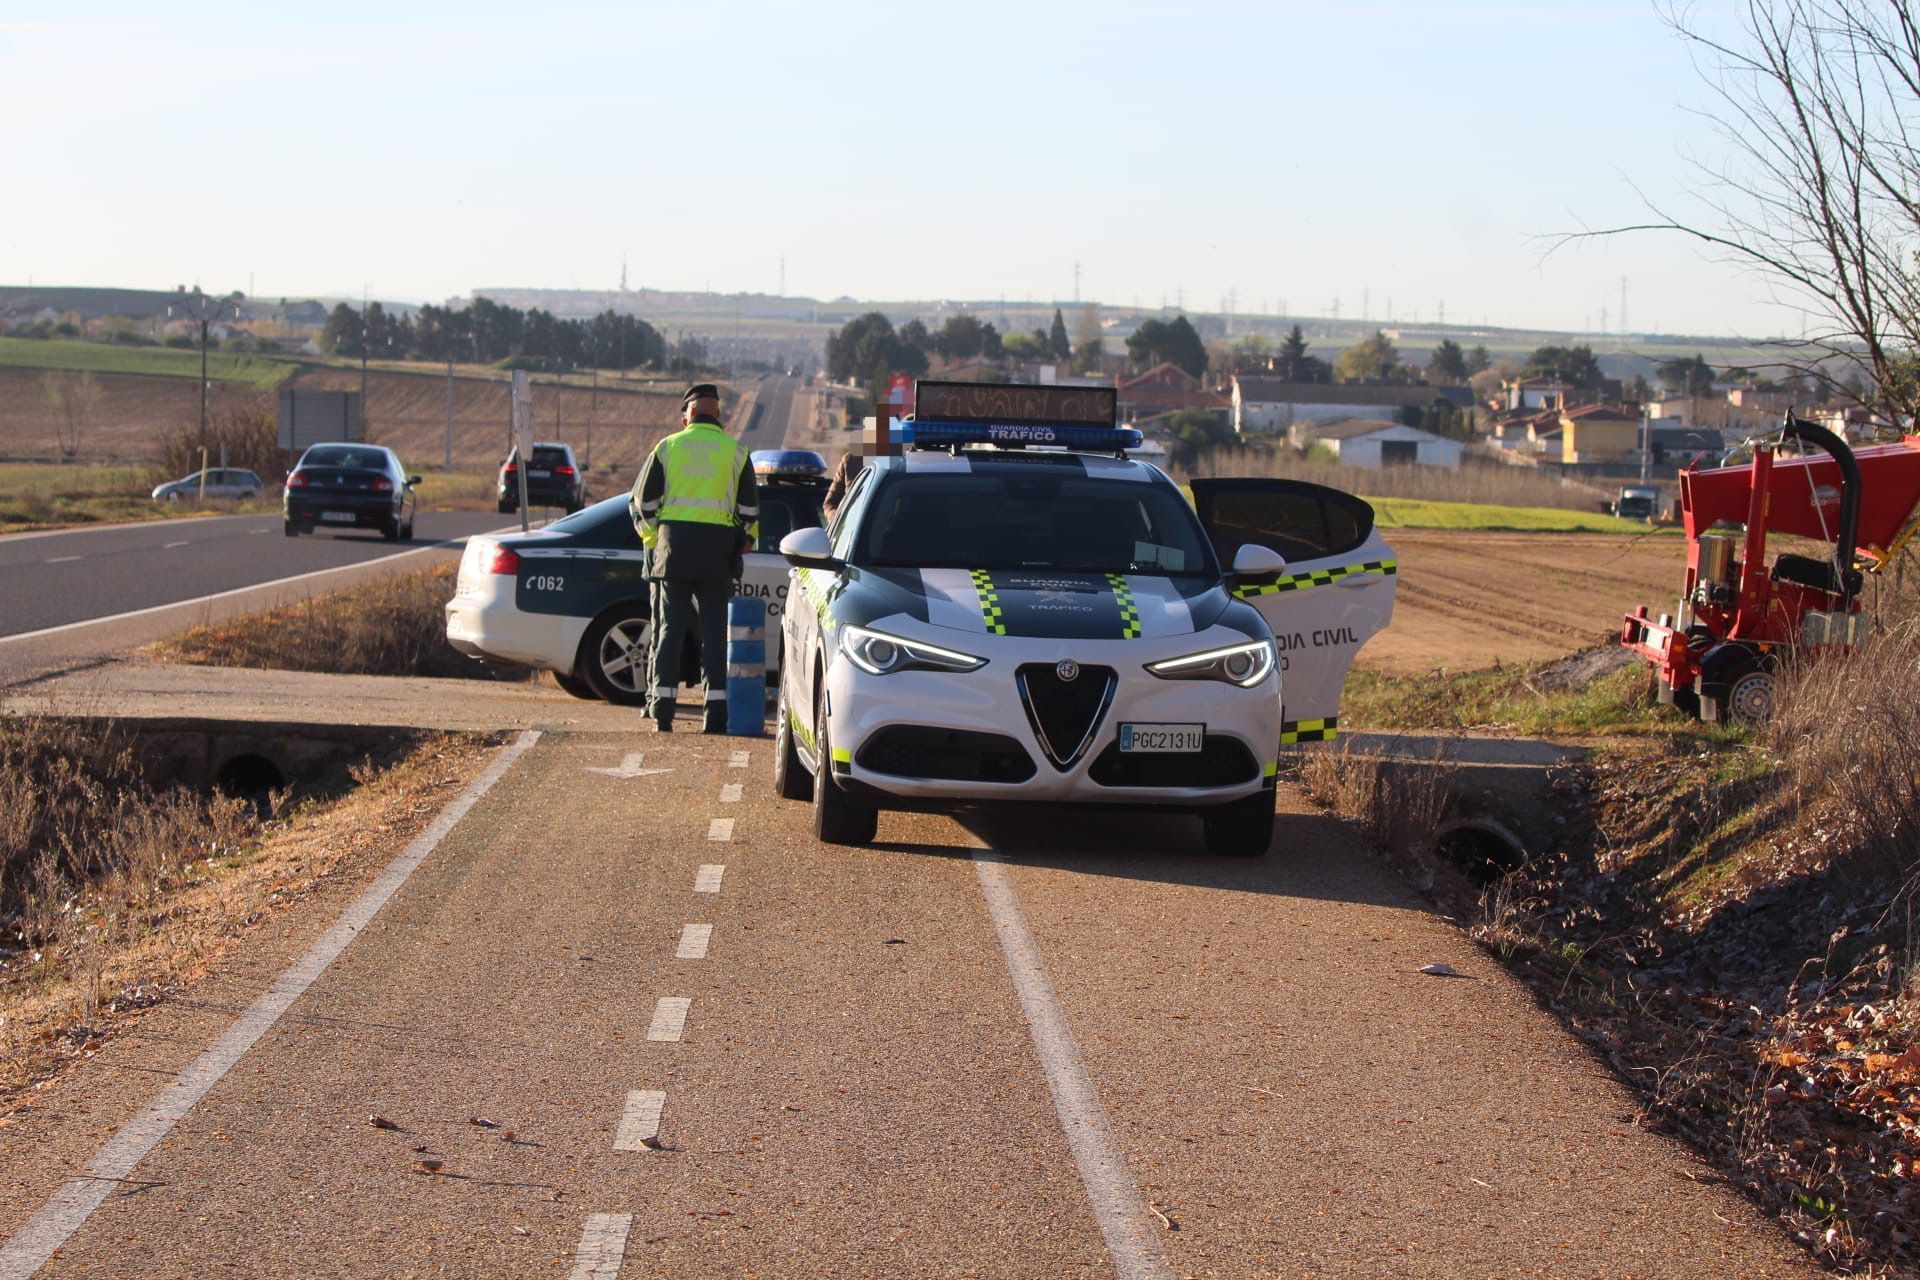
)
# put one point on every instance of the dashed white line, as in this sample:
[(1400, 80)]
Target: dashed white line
[(693, 942), (168, 546), (669, 1018), (602, 1248), (1117, 1206), (730, 794), (707, 878), (63, 559), (641, 1120), (28, 1249), (720, 829), (738, 760)]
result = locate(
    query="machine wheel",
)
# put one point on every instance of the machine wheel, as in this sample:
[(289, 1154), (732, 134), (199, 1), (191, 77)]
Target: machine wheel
[(1750, 695), (790, 778), (291, 529), (1242, 829), (406, 530), (574, 685), (837, 817), (613, 656)]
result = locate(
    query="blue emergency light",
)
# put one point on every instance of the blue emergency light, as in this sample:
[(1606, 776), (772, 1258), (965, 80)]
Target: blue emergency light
[(788, 462), (946, 435)]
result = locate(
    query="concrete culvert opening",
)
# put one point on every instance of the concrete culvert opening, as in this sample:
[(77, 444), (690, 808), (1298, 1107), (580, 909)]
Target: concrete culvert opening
[(250, 777), (1482, 848)]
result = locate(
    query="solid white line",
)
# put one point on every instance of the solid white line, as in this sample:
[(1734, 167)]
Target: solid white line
[(720, 829), (602, 1248), (30, 1247), (669, 1018), (64, 559), (738, 760), (641, 1119), (1136, 1250), (693, 941), (707, 878), (730, 794), (222, 595), (120, 527)]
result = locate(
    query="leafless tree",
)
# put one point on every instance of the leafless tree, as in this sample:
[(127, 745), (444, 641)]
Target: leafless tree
[(1819, 101), (72, 399)]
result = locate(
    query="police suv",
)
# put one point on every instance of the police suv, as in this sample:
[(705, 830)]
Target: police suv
[(991, 619), (572, 598)]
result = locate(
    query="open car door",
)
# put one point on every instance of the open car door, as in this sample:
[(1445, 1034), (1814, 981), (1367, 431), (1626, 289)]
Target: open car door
[(1335, 595)]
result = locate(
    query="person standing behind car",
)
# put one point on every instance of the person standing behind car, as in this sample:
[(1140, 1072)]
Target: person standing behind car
[(695, 504)]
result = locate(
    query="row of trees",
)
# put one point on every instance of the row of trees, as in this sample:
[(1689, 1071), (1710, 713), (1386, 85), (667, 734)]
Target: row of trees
[(485, 331), (869, 349)]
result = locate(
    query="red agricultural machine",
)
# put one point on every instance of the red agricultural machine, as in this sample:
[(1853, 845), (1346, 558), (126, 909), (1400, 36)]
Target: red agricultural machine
[(1739, 617)]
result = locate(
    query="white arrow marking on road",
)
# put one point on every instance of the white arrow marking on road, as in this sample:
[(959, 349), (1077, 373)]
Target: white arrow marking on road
[(630, 767)]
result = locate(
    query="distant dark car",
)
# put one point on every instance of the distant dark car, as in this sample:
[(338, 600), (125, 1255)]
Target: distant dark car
[(350, 486), (214, 482), (553, 480)]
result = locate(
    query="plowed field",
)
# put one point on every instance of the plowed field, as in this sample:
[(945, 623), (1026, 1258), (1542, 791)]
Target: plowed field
[(1468, 600)]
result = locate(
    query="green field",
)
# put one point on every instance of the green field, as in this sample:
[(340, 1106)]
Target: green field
[(1416, 513), (258, 372)]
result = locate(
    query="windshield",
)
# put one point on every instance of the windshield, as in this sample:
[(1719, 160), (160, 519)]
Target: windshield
[(334, 455), (1032, 518)]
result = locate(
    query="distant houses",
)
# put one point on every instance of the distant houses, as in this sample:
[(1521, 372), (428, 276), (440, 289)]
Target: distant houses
[(1368, 442), (1271, 406)]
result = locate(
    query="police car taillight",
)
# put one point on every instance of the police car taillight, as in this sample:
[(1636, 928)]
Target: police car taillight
[(499, 559)]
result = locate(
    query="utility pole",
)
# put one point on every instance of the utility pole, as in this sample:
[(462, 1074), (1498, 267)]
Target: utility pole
[(203, 311), (1076, 282), (448, 465)]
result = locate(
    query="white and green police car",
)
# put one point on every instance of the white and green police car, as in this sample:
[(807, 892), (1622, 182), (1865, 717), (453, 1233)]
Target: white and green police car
[(572, 598), (991, 620)]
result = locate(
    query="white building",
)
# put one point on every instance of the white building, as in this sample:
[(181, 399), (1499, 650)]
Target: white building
[(1271, 406), (1366, 442)]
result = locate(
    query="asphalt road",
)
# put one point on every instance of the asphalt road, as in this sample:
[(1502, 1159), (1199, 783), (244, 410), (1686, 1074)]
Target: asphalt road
[(1071, 1047), (53, 579), (773, 407)]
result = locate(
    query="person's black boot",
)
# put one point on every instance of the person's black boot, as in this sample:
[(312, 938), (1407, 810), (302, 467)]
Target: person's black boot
[(715, 720)]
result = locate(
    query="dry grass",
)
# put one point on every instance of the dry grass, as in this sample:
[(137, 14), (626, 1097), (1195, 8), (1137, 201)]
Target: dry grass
[(1398, 805), (186, 879), (1479, 479), (388, 626)]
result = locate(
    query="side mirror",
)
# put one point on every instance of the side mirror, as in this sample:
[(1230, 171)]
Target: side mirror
[(809, 549), (412, 481), (1255, 561)]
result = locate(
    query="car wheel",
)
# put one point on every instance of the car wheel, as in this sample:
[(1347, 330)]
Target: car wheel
[(173, 496), (613, 656), (292, 530), (574, 685), (837, 817), (1242, 829), (790, 780), (406, 531), (506, 508), (390, 531)]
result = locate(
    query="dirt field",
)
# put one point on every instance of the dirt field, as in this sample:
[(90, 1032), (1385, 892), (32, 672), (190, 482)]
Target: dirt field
[(1468, 600)]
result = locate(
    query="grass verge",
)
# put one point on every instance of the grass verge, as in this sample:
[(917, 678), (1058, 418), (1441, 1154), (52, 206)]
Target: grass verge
[(258, 372), (119, 896), (394, 625), (52, 495), (1419, 513)]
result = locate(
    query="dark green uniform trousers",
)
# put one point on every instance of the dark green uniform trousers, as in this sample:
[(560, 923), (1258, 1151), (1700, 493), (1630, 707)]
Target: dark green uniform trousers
[(679, 600)]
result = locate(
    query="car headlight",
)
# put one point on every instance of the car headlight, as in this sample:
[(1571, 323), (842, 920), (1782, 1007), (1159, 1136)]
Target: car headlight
[(879, 654), (1243, 664)]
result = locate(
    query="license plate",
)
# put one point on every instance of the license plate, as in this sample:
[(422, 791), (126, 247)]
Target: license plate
[(538, 475), (339, 517), (1162, 738)]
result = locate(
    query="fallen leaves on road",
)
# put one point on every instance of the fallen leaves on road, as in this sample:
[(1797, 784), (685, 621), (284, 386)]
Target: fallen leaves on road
[(428, 1166), (381, 1122), (483, 1122)]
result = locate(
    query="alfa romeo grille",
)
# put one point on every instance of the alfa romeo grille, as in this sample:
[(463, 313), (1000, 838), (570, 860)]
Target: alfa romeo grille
[(1065, 713)]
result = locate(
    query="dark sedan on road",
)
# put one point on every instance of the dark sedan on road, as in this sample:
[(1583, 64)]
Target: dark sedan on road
[(553, 480), (350, 486)]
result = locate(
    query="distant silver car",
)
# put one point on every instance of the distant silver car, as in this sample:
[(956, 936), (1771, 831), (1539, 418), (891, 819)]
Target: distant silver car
[(222, 482)]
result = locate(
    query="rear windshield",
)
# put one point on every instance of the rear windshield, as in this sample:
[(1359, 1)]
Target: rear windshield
[(345, 455), (1020, 518), (546, 457)]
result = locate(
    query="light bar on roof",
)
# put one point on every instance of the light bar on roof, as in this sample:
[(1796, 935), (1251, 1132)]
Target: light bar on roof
[(788, 462), (943, 435)]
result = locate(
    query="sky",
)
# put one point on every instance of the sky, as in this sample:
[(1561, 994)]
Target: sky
[(1394, 155)]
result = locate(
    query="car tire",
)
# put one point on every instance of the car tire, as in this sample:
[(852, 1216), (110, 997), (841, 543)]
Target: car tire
[(616, 633), (390, 531), (1242, 829), (406, 530), (574, 686), (790, 778), (838, 818), (291, 529), (506, 508)]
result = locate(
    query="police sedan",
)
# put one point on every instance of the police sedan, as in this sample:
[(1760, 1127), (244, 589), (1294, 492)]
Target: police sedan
[(994, 625), (571, 598)]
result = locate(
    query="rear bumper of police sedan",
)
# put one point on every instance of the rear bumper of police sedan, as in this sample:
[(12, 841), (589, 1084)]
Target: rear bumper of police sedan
[(484, 622), (1013, 731)]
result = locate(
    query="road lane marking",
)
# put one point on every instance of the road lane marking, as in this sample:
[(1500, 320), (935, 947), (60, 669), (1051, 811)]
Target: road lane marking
[(28, 1249), (124, 526), (720, 829), (738, 760), (730, 794), (669, 1018), (236, 591), (641, 1120), (602, 1248), (693, 942), (168, 546), (1122, 1214), (707, 878), (64, 559)]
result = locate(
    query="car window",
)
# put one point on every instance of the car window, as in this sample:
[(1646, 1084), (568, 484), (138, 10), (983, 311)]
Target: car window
[(334, 455), (604, 524), (784, 508), (1032, 518), (1310, 524), (545, 457)]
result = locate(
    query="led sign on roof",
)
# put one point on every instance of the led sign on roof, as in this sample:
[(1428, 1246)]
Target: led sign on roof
[(1002, 403)]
